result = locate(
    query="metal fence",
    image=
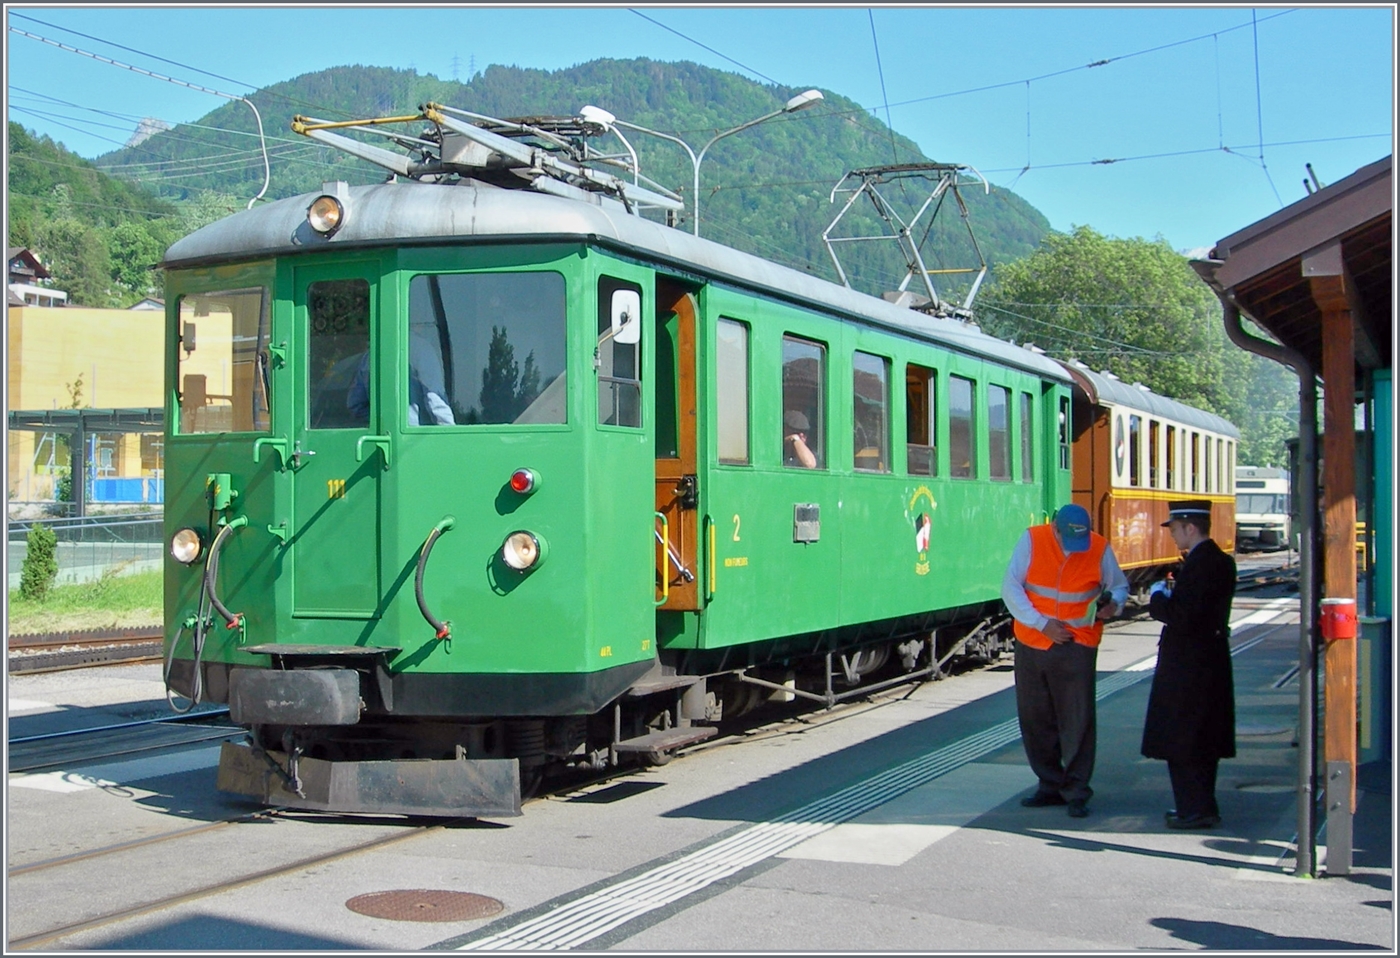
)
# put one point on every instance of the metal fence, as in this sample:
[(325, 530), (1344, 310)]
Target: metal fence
[(89, 546)]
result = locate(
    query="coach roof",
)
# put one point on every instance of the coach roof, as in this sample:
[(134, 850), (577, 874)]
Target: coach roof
[(1113, 392), (412, 213)]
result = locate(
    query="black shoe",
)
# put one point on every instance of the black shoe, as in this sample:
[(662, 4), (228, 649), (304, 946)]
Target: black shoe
[(1192, 821), (1043, 799), (1078, 808)]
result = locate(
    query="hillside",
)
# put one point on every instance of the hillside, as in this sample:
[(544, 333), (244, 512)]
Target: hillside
[(766, 190)]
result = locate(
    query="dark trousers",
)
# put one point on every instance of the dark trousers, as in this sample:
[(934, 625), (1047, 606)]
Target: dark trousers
[(1193, 787), (1055, 706)]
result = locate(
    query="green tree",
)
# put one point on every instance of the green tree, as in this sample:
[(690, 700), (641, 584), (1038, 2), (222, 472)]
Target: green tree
[(135, 248), (40, 563), (1135, 308)]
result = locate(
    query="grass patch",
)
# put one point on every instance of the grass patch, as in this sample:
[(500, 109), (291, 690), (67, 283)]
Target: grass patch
[(113, 601)]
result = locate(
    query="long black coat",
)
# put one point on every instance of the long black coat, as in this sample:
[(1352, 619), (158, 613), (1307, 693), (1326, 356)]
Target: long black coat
[(1191, 711)]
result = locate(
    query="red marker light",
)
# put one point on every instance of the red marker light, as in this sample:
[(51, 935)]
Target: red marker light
[(523, 481)]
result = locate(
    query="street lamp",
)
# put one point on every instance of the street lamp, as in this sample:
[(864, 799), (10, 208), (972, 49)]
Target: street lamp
[(799, 102)]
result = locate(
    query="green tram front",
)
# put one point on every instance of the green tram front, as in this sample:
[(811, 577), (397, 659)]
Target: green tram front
[(384, 494)]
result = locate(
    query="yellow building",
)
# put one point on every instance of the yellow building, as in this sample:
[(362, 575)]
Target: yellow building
[(97, 358)]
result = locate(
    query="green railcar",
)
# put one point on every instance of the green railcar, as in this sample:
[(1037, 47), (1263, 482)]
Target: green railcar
[(468, 484)]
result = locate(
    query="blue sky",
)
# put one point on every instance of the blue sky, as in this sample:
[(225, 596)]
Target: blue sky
[(1179, 106)]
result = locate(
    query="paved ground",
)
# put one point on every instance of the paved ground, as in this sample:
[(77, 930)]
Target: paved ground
[(896, 828)]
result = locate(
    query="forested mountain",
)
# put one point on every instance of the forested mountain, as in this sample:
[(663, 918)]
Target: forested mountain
[(766, 190)]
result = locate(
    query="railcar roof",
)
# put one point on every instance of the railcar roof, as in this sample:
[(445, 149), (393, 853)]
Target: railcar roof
[(420, 214), (1101, 389)]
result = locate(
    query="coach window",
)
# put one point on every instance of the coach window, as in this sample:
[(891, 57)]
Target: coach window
[(1027, 437), (870, 377), (1220, 466), (1206, 478), (223, 356), (804, 404), (962, 426), (920, 425), (1195, 462), (732, 390), (1230, 467), (999, 432), (618, 353), (1134, 450), (1154, 454), (491, 345), (1171, 457)]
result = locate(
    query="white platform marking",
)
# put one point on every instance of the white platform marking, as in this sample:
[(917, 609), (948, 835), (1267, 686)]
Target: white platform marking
[(903, 827), (117, 773), (24, 705)]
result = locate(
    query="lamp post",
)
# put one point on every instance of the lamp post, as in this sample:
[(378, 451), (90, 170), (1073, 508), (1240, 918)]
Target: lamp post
[(799, 102)]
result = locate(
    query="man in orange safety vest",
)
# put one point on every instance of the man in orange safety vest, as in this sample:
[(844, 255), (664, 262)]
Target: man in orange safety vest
[(1062, 582)]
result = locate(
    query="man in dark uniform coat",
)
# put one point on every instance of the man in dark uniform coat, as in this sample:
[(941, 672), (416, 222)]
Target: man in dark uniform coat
[(1191, 710)]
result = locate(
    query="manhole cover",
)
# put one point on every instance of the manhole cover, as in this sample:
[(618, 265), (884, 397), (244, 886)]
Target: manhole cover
[(425, 905)]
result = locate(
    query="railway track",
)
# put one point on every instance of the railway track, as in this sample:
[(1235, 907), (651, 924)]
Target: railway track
[(74, 649)]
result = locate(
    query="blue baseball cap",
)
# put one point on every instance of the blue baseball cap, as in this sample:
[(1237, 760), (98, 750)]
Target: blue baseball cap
[(1072, 524)]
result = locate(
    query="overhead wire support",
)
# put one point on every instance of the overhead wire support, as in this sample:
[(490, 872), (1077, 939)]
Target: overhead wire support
[(267, 166)]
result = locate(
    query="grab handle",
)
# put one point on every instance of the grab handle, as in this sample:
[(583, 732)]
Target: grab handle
[(381, 441), (664, 537)]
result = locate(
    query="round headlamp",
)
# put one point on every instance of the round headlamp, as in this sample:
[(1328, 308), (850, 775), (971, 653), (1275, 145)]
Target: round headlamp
[(325, 215), (523, 551), (185, 546)]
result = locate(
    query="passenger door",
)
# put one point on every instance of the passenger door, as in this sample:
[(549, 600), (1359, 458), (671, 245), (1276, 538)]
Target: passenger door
[(339, 452), (677, 479)]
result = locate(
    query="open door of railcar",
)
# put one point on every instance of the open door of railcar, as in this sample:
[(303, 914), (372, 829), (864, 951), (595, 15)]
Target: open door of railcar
[(678, 550)]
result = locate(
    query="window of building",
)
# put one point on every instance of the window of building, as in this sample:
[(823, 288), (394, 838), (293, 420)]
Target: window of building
[(870, 377), (1027, 438), (999, 432), (804, 404), (224, 368), (152, 454), (732, 390), (920, 425), (962, 448), (492, 346)]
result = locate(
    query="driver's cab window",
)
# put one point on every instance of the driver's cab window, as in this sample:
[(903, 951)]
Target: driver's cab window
[(338, 360), (485, 349), (224, 375)]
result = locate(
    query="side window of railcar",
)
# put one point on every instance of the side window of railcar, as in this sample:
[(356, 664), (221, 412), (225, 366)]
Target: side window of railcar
[(1206, 476), (1134, 450), (999, 431), (1064, 432), (962, 450), (804, 404), (732, 390), (224, 370), (1154, 455), (618, 353), (489, 346), (1171, 457), (337, 362), (1195, 462), (1027, 438), (870, 415), (920, 403)]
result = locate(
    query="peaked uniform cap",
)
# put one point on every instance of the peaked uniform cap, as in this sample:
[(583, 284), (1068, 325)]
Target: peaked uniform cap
[(1187, 508)]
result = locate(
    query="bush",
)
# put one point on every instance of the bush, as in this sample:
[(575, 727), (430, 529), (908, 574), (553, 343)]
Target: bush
[(40, 563)]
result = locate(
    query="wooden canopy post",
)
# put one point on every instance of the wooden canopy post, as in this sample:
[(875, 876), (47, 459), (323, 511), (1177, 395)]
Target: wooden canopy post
[(1332, 290)]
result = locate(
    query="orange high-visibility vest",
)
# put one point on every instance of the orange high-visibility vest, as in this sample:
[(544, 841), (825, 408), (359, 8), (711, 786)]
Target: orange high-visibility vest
[(1064, 587)]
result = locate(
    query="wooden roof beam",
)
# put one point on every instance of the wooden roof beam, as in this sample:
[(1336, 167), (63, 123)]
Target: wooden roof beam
[(1334, 289)]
